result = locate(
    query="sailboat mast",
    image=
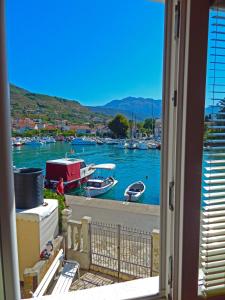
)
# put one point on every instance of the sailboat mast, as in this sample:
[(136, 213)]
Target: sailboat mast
[(135, 126), (152, 117), (131, 127)]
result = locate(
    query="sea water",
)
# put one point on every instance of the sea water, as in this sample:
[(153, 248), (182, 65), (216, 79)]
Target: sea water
[(131, 165)]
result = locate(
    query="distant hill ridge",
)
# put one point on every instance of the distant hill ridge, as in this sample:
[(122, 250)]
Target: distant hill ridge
[(141, 107), (48, 108)]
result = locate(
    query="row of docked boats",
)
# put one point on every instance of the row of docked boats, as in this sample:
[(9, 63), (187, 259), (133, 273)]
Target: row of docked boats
[(75, 173), (93, 141), (35, 141), (122, 144), (77, 141), (141, 145)]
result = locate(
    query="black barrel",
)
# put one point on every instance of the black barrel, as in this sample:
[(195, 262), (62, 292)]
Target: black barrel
[(28, 183)]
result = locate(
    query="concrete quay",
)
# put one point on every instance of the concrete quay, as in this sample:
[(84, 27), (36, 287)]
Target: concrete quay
[(141, 216)]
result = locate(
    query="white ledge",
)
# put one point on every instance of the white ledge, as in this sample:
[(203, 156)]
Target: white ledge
[(138, 288)]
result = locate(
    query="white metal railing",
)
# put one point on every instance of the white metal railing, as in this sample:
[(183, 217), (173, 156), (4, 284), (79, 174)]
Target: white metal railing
[(121, 249)]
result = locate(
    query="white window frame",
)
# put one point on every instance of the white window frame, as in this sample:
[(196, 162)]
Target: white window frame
[(192, 62), (181, 159), (8, 244)]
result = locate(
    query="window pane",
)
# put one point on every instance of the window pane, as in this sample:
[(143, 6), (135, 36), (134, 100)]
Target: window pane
[(108, 56)]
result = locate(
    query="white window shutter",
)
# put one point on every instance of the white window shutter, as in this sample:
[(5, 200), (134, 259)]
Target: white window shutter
[(212, 252)]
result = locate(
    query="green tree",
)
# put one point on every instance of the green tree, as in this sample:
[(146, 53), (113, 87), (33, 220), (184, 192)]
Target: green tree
[(141, 129), (149, 125), (119, 126)]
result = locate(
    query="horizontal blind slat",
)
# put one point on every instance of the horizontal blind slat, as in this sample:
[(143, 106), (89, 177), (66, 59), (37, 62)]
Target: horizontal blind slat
[(214, 201), (213, 232), (212, 252), (213, 175)]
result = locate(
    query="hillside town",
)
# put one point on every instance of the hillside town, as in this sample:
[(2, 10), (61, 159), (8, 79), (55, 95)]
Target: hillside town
[(28, 126)]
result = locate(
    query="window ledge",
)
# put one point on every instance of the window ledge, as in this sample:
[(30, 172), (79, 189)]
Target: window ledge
[(135, 289)]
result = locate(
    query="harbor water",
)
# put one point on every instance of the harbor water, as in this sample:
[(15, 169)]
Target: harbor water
[(131, 165)]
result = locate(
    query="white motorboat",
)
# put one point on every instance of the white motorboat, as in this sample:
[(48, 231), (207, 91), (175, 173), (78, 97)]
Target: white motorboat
[(33, 143), (132, 145), (48, 140), (122, 145), (100, 185), (110, 141), (142, 146), (134, 191), (17, 144), (152, 145)]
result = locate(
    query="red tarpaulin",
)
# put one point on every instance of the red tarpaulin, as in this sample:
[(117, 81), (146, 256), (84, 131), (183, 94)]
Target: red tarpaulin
[(67, 172)]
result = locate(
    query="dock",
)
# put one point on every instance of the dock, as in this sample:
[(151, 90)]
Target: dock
[(142, 216)]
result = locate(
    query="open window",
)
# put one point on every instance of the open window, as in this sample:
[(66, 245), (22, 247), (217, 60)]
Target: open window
[(185, 56)]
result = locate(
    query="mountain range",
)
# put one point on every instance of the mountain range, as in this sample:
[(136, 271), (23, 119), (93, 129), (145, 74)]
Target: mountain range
[(140, 108), (136, 107), (49, 108)]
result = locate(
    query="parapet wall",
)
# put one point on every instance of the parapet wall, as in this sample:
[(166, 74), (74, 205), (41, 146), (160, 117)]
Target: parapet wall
[(137, 215)]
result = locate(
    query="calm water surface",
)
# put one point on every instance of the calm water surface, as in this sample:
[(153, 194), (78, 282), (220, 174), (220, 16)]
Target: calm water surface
[(131, 165)]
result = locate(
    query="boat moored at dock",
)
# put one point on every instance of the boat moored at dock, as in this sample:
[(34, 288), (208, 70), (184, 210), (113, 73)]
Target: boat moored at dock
[(142, 145), (122, 145), (134, 191), (132, 145), (73, 171), (83, 141), (34, 142), (99, 184)]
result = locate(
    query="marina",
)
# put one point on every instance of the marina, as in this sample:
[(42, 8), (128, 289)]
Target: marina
[(131, 165)]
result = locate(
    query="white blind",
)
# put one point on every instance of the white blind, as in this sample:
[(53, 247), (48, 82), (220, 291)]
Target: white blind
[(212, 252)]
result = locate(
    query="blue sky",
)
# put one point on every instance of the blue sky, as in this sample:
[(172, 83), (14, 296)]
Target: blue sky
[(91, 51)]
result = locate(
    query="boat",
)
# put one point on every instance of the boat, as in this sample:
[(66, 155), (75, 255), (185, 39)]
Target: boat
[(134, 191), (74, 172), (98, 141), (152, 145), (17, 144), (48, 140), (110, 141), (83, 141), (132, 145), (142, 146), (122, 145), (99, 184), (33, 143)]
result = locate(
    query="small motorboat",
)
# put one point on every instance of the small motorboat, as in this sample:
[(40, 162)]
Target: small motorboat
[(34, 142), (134, 191), (17, 144), (152, 145), (100, 184), (122, 145), (132, 145), (83, 141), (142, 146)]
